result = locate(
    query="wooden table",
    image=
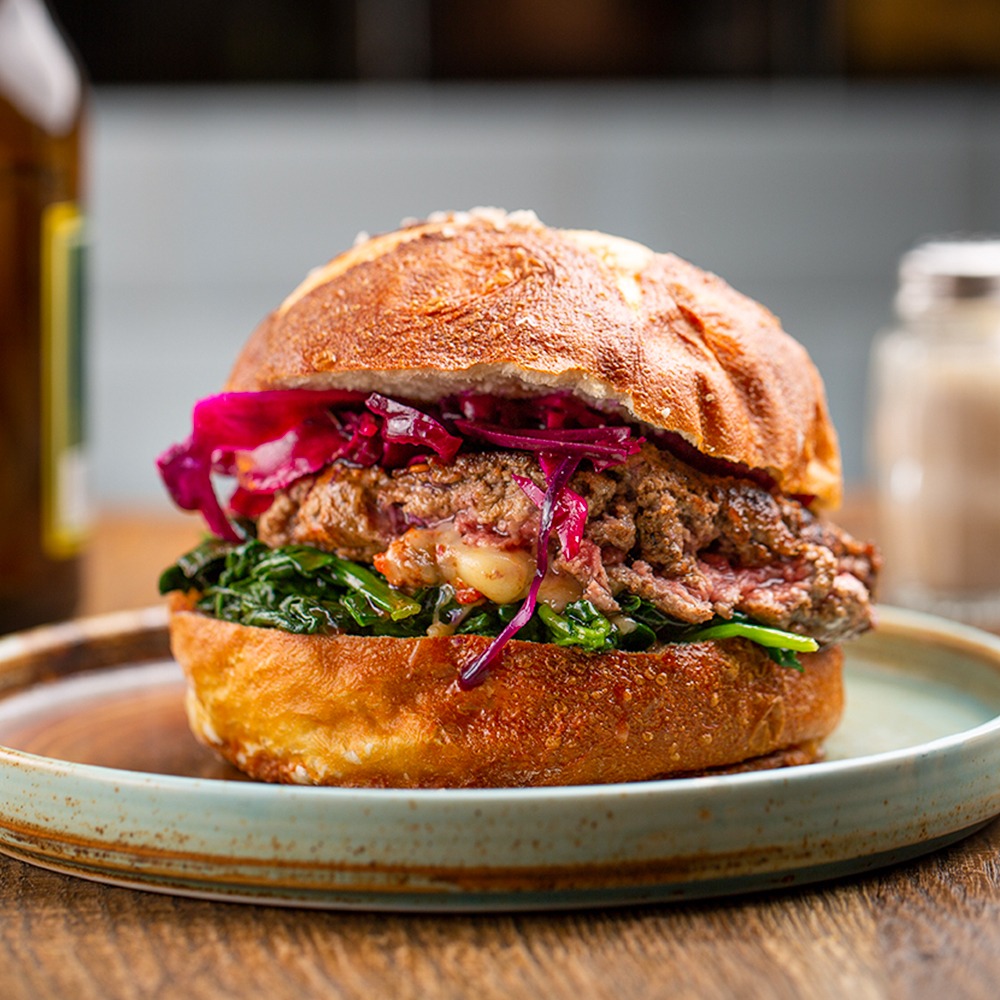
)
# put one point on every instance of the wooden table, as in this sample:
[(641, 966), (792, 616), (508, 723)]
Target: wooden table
[(930, 928)]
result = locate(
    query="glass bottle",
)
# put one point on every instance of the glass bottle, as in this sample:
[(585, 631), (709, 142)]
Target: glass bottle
[(936, 394), (42, 495)]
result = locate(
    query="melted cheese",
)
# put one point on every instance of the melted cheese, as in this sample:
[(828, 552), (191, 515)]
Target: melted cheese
[(557, 591), (501, 575), (427, 557)]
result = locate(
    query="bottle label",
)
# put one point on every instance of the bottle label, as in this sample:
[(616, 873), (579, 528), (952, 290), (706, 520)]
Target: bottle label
[(65, 507)]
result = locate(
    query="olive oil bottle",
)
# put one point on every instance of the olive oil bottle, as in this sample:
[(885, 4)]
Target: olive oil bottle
[(42, 492)]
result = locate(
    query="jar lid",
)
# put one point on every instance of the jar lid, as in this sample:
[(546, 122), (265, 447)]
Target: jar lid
[(941, 271), (948, 270)]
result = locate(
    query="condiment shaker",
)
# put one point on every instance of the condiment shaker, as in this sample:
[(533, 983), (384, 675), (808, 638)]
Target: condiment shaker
[(936, 433)]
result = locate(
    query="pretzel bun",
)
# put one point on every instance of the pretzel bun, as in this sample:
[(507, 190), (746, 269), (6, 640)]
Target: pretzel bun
[(501, 303), (383, 712)]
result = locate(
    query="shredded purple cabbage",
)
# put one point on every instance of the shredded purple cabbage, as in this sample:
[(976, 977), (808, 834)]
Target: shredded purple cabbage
[(186, 471), (551, 410), (406, 425), (475, 673), (569, 518), (604, 446), (267, 440), (236, 423)]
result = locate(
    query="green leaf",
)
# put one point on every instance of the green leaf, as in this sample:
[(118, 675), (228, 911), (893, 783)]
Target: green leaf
[(580, 624), (304, 590), (361, 608), (641, 611), (484, 621), (637, 638), (195, 567), (381, 595), (786, 658), (761, 634)]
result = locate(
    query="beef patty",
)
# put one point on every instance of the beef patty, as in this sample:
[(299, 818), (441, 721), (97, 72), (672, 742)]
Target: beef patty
[(692, 543)]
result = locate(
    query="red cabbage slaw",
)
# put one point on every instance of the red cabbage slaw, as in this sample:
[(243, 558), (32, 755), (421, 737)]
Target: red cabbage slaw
[(474, 673), (269, 439), (569, 516)]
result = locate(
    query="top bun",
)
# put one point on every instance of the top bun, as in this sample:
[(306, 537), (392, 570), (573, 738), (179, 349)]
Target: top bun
[(501, 303)]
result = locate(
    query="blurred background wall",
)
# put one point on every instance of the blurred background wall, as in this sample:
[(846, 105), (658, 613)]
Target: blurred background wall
[(797, 147)]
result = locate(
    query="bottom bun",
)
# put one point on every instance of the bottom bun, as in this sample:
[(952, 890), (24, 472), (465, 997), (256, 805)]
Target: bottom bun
[(383, 712)]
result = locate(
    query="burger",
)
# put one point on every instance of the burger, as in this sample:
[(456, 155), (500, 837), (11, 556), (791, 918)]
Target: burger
[(495, 504)]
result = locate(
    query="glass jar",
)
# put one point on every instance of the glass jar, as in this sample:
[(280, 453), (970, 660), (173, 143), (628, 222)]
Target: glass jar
[(936, 433), (42, 496)]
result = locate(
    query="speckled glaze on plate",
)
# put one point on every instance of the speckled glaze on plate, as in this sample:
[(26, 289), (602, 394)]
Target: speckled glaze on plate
[(101, 779)]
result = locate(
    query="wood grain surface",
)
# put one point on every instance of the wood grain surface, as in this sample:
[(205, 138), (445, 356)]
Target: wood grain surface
[(930, 928)]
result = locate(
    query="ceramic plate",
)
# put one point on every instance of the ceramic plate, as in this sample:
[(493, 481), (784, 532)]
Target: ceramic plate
[(101, 779)]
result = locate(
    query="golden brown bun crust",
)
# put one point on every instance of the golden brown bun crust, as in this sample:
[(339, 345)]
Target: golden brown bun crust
[(502, 303), (382, 712)]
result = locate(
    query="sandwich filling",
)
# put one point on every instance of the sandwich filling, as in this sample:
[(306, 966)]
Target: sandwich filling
[(542, 517)]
